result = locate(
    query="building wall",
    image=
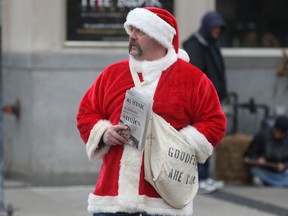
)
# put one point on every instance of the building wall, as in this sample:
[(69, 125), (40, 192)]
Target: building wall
[(43, 146), (255, 78)]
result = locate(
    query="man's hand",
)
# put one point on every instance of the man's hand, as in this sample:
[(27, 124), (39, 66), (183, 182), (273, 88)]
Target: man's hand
[(280, 167), (261, 161), (112, 137)]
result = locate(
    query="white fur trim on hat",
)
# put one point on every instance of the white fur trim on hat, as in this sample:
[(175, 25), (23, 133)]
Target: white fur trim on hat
[(203, 147), (152, 25), (94, 151)]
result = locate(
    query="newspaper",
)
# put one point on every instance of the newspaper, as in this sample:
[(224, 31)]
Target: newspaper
[(249, 161), (135, 115)]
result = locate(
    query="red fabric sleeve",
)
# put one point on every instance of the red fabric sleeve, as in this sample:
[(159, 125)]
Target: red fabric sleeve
[(209, 119), (90, 112), (104, 99)]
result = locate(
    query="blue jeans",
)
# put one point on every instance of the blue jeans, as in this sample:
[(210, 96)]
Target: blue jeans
[(269, 177), (203, 170), (116, 214), (122, 214)]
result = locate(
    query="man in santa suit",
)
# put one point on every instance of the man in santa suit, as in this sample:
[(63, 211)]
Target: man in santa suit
[(182, 95)]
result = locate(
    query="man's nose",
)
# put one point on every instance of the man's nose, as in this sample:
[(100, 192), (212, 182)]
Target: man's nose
[(133, 34)]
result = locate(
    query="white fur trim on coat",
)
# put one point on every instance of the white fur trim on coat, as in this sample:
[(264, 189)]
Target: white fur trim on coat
[(153, 206), (160, 30), (93, 150), (152, 70), (130, 168), (203, 147)]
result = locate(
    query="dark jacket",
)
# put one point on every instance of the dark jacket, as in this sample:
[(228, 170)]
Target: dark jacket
[(205, 54), (264, 145)]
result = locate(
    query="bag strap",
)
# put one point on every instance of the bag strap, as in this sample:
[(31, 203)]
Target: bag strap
[(135, 76)]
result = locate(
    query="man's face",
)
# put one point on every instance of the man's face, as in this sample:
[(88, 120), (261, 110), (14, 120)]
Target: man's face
[(278, 135), (215, 32), (141, 46)]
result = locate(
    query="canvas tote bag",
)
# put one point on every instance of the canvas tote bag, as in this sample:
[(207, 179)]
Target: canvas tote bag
[(170, 162)]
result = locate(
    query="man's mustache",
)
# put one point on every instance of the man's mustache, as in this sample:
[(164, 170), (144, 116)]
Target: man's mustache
[(133, 43)]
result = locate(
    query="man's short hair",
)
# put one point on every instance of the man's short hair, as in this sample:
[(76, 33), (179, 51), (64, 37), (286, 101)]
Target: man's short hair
[(281, 124)]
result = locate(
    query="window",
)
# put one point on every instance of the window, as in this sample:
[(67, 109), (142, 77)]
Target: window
[(102, 20), (254, 23)]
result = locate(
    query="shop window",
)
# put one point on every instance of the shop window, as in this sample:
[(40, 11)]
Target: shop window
[(100, 22), (254, 23)]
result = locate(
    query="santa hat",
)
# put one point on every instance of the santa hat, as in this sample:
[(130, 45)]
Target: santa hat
[(159, 24)]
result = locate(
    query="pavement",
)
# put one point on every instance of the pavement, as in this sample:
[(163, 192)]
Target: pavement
[(232, 200)]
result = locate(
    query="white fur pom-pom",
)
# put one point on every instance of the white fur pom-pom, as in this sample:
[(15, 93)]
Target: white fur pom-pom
[(183, 55)]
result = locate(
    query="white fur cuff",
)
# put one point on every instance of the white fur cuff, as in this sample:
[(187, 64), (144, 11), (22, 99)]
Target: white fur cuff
[(203, 147), (93, 150)]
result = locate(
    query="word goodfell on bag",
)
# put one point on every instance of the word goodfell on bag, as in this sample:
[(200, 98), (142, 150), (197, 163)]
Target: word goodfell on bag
[(182, 156)]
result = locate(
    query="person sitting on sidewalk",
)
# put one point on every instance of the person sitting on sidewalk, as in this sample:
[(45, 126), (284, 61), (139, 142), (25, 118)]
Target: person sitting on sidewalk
[(267, 155)]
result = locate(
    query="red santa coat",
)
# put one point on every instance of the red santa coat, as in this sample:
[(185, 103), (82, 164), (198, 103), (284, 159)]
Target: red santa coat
[(183, 96)]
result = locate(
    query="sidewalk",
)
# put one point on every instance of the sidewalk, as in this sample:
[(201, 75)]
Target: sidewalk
[(72, 201)]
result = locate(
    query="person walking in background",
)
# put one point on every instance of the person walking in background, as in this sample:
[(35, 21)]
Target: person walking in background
[(183, 96), (205, 54), (267, 155)]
